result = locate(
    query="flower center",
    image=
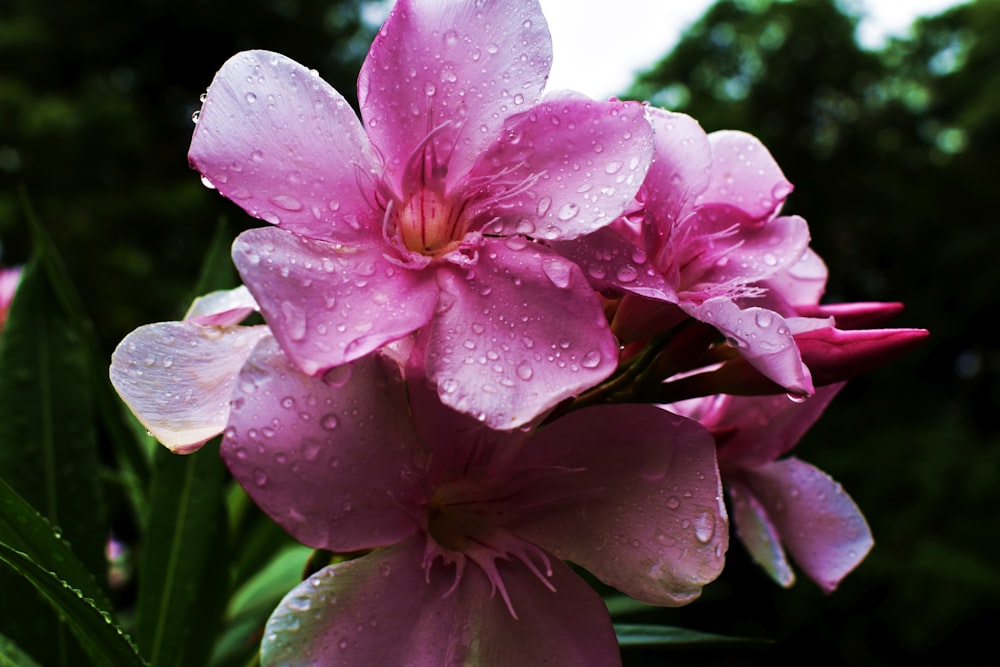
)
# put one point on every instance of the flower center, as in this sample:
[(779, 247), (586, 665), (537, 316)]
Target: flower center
[(429, 223), (463, 512)]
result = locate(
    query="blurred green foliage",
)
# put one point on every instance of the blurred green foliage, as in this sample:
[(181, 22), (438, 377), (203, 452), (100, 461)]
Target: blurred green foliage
[(893, 154)]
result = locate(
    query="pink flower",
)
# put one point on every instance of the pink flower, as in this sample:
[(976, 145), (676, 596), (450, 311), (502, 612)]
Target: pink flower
[(783, 503), (469, 525), (706, 234), (9, 278), (178, 377), (435, 214)]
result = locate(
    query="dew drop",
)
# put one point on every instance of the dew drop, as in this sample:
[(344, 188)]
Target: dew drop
[(627, 274), (591, 360), (569, 211), (286, 202), (250, 97), (338, 376), (673, 502), (524, 372), (259, 477), (329, 422), (704, 527)]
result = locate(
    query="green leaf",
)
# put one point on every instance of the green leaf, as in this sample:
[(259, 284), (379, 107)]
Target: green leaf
[(103, 641), (24, 529), (183, 575), (48, 445), (11, 655), (665, 635), (251, 606), (217, 270)]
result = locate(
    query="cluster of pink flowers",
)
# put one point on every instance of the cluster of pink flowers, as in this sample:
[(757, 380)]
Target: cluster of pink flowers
[(504, 329)]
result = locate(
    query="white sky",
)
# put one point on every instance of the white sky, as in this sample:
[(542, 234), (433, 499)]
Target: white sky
[(600, 45)]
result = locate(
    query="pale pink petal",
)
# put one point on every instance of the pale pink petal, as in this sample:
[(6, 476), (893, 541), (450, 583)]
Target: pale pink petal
[(758, 534), (638, 501), (287, 148), (608, 259), (759, 429), (178, 378), (328, 304), (464, 64), (745, 175), (803, 283), (331, 459), (763, 338), (517, 333), (381, 610), (820, 526), (566, 168), (223, 308)]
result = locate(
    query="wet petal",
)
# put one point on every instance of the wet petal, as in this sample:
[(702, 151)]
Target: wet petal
[(755, 252), (178, 378), (803, 283), (652, 523), (680, 172), (608, 259), (222, 308), (343, 614), (566, 168), (327, 303), (745, 175), (819, 524), (761, 428), (519, 332), (287, 148), (329, 458), (462, 63), (758, 534), (764, 339)]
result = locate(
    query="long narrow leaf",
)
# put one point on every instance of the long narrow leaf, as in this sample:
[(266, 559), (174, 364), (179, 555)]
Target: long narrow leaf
[(665, 635), (186, 535), (104, 642), (48, 449), (11, 655), (24, 529)]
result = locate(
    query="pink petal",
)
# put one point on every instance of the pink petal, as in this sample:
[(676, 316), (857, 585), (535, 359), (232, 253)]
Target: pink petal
[(803, 283), (834, 355), (761, 428), (763, 339), (639, 503), (462, 63), (819, 524), (285, 146), (329, 304), (178, 377), (758, 534), (374, 610), (330, 458), (380, 610), (608, 259), (680, 171), (745, 175), (574, 164), (516, 334), (856, 315), (569, 626), (224, 308), (756, 251)]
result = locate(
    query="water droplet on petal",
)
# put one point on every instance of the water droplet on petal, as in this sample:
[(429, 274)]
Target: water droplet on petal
[(673, 502), (329, 422), (627, 274), (591, 360), (259, 477), (286, 202), (704, 527), (338, 375), (569, 211), (524, 372)]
